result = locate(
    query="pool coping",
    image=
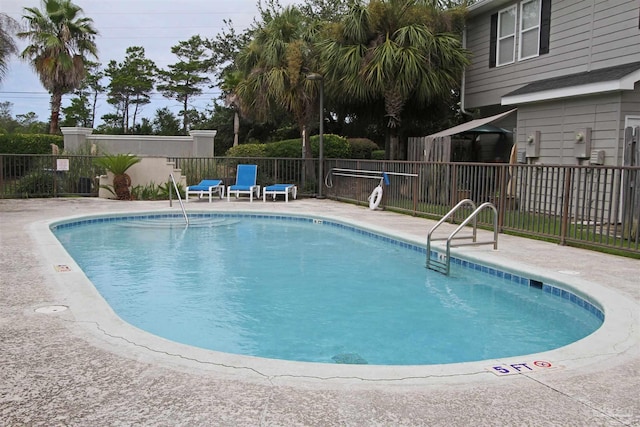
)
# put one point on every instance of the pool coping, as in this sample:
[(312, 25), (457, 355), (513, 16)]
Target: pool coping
[(91, 317)]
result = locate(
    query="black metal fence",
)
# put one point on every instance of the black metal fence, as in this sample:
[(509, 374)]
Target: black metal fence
[(24, 176), (586, 205), (270, 170)]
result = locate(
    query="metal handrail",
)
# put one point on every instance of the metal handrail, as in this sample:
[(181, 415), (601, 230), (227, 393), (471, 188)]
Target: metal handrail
[(449, 214), (472, 217), (175, 186)]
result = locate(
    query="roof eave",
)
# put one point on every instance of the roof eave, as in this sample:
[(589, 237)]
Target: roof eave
[(625, 83), (484, 6)]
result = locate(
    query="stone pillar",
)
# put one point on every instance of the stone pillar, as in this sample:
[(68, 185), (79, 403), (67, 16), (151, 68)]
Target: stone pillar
[(203, 142), (75, 138)]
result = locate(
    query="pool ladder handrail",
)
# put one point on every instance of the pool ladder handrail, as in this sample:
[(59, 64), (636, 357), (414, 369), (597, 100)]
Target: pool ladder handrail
[(175, 186), (443, 266)]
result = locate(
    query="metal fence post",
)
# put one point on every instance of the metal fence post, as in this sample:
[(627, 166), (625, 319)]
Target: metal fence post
[(564, 224)]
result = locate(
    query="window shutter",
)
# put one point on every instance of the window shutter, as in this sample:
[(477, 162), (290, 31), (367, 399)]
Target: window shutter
[(545, 26), (493, 40)]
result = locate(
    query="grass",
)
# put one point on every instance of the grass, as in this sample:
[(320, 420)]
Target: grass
[(542, 227)]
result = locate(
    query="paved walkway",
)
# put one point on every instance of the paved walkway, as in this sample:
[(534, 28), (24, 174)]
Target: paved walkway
[(83, 366)]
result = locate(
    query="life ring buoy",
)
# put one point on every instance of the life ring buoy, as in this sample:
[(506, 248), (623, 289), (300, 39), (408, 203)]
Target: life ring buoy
[(375, 198)]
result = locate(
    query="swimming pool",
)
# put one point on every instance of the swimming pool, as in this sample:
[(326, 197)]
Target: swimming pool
[(407, 341)]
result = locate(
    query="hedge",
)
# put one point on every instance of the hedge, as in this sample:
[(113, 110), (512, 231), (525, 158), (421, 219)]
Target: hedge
[(335, 147), (377, 155), (361, 148), (247, 150), (29, 143)]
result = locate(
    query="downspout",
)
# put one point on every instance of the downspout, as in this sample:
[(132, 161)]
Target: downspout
[(464, 76)]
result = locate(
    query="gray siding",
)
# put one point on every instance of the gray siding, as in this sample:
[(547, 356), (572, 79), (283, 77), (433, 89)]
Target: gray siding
[(585, 35), (559, 121)]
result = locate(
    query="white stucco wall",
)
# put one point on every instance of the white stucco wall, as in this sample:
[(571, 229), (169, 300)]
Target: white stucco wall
[(150, 170)]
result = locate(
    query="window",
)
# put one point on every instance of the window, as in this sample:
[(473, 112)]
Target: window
[(529, 29), (506, 36), (525, 25)]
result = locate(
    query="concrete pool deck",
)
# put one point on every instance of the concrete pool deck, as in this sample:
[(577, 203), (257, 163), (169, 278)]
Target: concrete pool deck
[(83, 366)]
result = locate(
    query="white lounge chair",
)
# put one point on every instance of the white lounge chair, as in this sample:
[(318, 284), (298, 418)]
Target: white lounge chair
[(206, 186), (285, 189), (246, 178)]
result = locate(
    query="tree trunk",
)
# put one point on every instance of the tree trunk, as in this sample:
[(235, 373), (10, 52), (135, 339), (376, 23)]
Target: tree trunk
[(387, 144), (121, 184), (185, 120), (236, 127), (125, 117), (93, 108), (394, 144), (135, 115), (56, 101)]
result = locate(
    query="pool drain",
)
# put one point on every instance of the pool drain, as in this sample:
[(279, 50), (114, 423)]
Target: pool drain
[(49, 309), (349, 359)]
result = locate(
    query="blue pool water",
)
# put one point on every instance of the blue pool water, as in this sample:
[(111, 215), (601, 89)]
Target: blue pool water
[(309, 290)]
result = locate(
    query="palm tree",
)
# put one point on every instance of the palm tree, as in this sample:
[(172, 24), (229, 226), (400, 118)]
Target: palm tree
[(118, 165), (59, 41), (398, 51), (7, 45), (230, 81), (275, 65)]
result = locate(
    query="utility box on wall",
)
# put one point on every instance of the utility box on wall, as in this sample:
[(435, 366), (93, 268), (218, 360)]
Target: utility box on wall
[(582, 144), (522, 156), (533, 144), (597, 157)]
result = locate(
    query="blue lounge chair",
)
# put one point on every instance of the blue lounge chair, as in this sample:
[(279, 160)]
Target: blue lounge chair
[(246, 178), (206, 186), (275, 189)]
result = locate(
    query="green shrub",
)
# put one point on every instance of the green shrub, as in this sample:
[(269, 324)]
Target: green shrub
[(377, 155), (118, 165), (156, 192), (164, 190), (39, 184), (361, 148), (289, 148), (247, 150), (335, 147), (285, 133), (29, 143)]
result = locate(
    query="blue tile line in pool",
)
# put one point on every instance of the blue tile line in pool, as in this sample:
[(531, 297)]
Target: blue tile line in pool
[(556, 291)]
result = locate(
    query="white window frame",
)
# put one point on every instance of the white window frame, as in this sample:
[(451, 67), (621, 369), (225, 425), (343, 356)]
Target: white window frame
[(504, 37), (521, 31)]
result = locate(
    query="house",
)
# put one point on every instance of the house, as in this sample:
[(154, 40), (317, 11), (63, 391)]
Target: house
[(571, 69)]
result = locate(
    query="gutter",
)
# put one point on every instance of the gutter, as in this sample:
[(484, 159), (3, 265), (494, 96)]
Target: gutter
[(464, 77)]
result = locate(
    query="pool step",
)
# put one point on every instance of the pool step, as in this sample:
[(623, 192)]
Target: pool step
[(178, 222), (438, 264), (470, 220)]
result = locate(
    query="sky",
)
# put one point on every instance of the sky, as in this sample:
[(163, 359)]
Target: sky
[(156, 25)]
